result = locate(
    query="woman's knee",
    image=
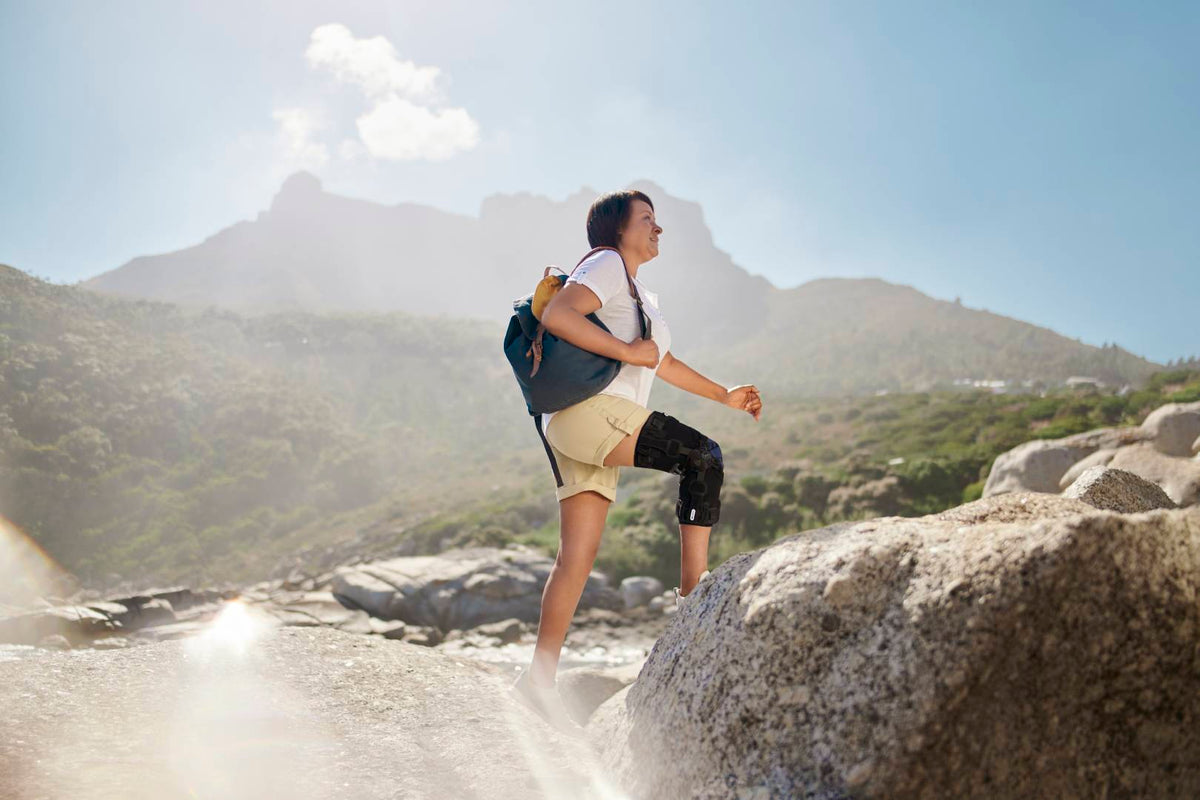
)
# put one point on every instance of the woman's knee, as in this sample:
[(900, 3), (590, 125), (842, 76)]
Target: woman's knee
[(700, 485), (667, 444)]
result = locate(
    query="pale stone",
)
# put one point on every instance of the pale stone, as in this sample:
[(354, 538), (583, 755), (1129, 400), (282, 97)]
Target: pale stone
[(1023, 646)]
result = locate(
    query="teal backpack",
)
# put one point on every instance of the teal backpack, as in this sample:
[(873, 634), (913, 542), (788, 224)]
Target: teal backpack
[(552, 372)]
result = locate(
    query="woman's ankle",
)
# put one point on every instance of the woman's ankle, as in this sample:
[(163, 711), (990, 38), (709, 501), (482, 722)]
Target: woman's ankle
[(542, 675), (540, 681)]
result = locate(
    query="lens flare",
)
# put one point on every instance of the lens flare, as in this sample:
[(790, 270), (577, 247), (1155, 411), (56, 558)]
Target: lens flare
[(27, 571), (232, 630)]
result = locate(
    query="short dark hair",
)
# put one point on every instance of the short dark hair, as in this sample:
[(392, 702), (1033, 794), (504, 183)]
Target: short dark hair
[(608, 216)]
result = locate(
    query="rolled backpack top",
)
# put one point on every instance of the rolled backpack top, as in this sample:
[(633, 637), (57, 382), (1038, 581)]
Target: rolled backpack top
[(552, 372)]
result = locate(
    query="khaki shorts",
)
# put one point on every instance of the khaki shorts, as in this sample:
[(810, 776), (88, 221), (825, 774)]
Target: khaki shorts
[(581, 436)]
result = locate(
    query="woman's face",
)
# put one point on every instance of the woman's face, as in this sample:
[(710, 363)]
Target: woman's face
[(641, 232)]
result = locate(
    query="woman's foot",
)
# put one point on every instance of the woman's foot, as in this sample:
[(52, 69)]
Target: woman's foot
[(679, 598), (546, 703)]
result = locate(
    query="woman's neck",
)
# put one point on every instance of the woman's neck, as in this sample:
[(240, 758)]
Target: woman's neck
[(631, 262)]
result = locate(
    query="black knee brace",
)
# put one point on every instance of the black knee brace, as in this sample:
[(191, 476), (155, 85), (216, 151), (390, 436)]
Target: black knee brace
[(667, 444)]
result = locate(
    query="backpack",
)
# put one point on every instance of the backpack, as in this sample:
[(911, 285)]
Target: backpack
[(552, 372)]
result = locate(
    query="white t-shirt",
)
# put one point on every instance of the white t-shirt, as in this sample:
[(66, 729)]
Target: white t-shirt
[(604, 273)]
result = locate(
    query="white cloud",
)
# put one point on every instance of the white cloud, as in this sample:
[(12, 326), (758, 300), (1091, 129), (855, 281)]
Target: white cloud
[(399, 129), (373, 64), (296, 126), (406, 120)]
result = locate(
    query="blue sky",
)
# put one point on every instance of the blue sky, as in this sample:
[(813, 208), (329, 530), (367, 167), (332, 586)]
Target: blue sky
[(1040, 160)]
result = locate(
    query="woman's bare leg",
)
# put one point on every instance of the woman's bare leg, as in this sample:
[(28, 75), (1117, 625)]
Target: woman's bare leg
[(693, 539), (581, 523), (693, 555)]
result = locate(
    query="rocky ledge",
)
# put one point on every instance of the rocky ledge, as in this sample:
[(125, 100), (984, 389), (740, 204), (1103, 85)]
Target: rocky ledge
[(1022, 646), (481, 602)]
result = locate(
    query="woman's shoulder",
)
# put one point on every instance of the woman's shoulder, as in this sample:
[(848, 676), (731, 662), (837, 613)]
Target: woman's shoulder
[(605, 268), (603, 259)]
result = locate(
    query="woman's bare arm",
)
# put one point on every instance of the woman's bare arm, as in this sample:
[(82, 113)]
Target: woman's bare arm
[(677, 373), (743, 397), (565, 316)]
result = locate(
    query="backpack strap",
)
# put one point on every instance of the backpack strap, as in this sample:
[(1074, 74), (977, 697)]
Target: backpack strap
[(637, 297)]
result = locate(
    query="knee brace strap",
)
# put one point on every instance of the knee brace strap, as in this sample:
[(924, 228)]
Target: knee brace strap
[(668, 445)]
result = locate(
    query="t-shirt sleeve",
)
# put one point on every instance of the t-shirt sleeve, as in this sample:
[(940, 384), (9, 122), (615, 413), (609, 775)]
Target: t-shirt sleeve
[(603, 273)]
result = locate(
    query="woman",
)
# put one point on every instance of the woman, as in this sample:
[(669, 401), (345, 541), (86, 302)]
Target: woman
[(589, 442)]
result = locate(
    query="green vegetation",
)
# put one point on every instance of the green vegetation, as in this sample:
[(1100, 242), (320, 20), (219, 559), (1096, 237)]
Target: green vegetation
[(843, 459), (141, 440), (164, 445)]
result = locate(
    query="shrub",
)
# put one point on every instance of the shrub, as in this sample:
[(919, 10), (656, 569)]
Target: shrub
[(972, 492), (755, 485)]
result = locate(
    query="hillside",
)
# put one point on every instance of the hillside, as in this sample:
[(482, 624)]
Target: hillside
[(838, 336), (134, 435)]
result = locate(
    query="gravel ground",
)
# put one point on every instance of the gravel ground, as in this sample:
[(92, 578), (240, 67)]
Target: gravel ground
[(253, 710)]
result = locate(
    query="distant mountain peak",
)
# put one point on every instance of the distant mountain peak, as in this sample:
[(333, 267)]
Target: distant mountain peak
[(297, 191)]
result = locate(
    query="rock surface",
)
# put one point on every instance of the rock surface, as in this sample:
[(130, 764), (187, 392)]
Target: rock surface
[(1118, 490), (286, 713), (585, 688), (1178, 477), (638, 590), (149, 613), (1172, 428), (460, 588), (1035, 466), (1158, 450), (1039, 465), (1100, 458), (1010, 648)]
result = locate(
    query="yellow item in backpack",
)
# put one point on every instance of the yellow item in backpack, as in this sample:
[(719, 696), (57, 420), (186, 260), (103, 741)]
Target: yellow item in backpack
[(547, 287)]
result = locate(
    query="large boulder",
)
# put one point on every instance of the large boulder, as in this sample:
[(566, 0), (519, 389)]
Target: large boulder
[(77, 625), (1039, 465), (1179, 477), (1100, 458), (1051, 655), (1101, 438), (638, 590), (1173, 428), (461, 588), (583, 689), (1118, 490), (1035, 466)]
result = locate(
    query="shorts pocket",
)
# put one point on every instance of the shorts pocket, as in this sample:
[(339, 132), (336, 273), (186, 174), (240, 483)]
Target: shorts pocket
[(623, 422)]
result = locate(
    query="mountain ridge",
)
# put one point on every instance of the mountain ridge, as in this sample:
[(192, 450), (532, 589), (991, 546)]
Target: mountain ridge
[(316, 251)]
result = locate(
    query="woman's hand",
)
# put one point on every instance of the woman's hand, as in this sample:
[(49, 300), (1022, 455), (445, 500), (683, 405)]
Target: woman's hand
[(642, 353), (744, 398)]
